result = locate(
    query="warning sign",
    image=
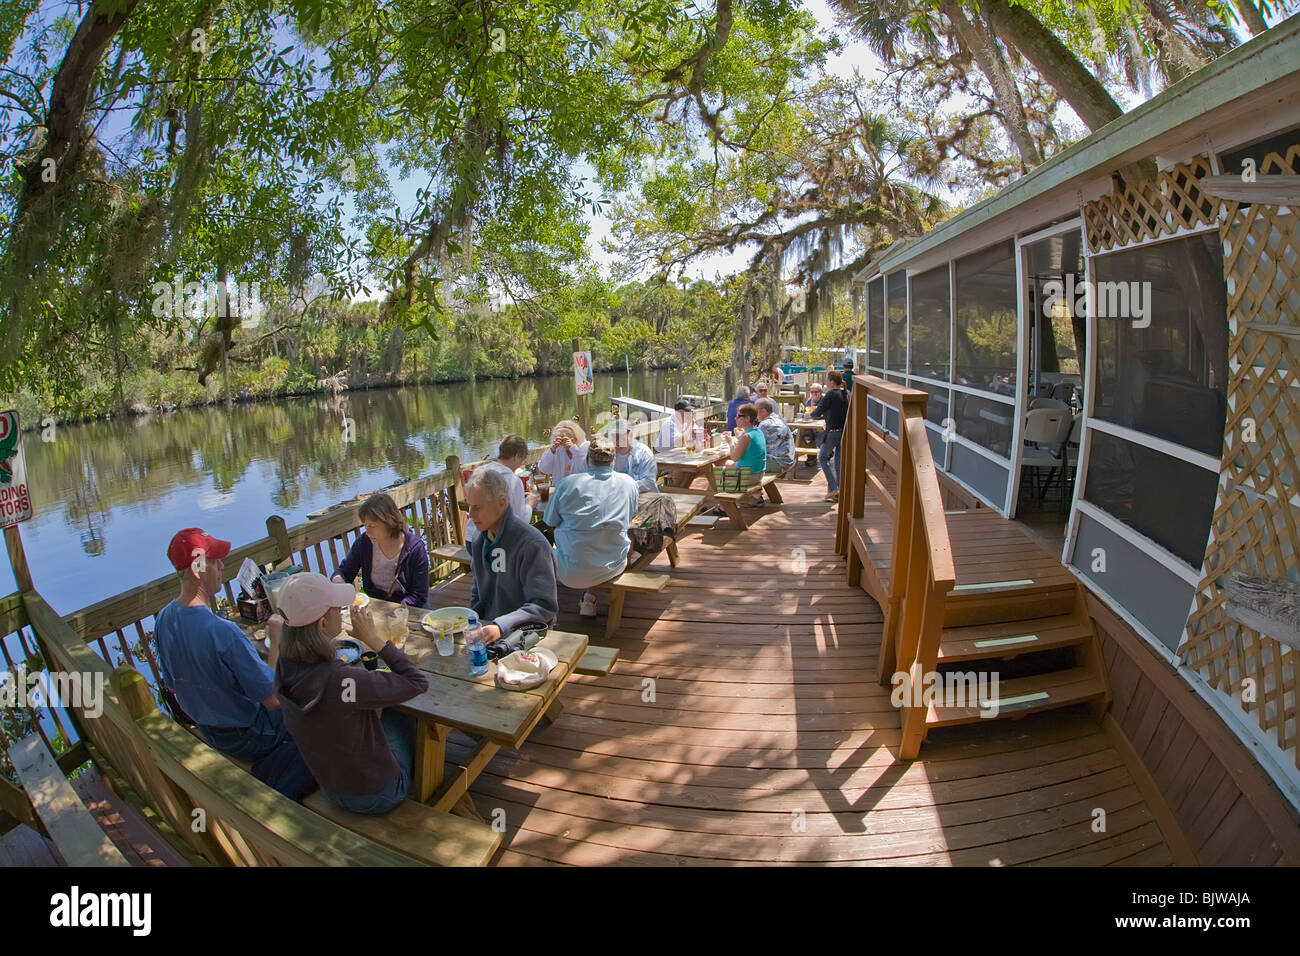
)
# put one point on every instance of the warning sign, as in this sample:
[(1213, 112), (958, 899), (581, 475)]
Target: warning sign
[(15, 499)]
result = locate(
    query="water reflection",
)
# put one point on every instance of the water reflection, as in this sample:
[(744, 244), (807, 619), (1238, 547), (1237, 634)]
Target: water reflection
[(109, 495)]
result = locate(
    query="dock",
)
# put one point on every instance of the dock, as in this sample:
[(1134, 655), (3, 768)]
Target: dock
[(769, 738)]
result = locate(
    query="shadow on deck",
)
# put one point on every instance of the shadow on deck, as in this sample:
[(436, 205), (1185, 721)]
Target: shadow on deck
[(744, 723)]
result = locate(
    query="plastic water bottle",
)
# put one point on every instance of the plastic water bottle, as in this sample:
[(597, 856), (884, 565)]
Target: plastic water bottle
[(478, 658)]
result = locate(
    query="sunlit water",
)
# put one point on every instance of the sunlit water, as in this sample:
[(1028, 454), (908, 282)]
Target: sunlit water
[(108, 496)]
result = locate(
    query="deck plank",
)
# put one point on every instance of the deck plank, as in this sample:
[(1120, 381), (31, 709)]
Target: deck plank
[(765, 713)]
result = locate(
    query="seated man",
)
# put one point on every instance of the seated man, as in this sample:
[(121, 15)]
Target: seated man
[(677, 427), (511, 455), (216, 677), (633, 458), (590, 513), (512, 562), (780, 443)]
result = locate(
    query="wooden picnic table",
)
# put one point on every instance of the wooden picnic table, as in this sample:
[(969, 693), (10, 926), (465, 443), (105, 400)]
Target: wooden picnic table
[(489, 715), (696, 463), (688, 504)]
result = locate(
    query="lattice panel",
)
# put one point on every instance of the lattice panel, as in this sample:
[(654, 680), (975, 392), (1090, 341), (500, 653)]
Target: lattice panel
[(1153, 208), (1256, 527)]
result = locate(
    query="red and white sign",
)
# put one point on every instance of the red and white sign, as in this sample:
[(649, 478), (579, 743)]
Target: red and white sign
[(15, 498), (582, 373)]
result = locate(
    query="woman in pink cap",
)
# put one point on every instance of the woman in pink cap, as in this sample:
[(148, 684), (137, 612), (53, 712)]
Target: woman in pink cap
[(362, 755)]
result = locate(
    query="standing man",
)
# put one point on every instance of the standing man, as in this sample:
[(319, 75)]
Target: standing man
[(633, 458), (833, 407), (511, 561), (511, 454), (210, 669), (847, 374)]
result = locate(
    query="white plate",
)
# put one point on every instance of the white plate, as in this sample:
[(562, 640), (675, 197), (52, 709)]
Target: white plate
[(455, 618), (361, 600)]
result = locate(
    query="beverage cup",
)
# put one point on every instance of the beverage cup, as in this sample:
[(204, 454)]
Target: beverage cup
[(445, 642)]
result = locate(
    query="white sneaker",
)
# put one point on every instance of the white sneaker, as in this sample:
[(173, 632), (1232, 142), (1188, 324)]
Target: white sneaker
[(587, 606)]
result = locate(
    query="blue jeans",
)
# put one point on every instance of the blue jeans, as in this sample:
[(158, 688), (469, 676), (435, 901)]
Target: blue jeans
[(400, 731), (267, 744), (830, 449)]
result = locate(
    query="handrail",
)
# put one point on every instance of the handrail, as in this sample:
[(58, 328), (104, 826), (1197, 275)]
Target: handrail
[(921, 571)]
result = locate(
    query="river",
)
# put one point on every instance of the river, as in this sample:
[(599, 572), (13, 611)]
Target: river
[(108, 496)]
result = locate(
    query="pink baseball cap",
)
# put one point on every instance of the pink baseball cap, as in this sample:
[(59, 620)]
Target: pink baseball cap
[(308, 596)]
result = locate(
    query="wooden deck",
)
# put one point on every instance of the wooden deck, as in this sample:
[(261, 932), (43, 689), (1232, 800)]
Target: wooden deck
[(743, 723), (140, 843)]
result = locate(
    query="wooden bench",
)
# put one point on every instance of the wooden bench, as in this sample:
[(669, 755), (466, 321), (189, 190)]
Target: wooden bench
[(418, 831), (730, 501), (597, 661), (457, 553), (637, 581), (74, 830)]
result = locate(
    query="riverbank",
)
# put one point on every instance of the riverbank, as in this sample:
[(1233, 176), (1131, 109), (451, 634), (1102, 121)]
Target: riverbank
[(33, 418)]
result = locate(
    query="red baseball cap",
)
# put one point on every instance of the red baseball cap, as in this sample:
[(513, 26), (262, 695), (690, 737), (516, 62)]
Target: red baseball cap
[(190, 543)]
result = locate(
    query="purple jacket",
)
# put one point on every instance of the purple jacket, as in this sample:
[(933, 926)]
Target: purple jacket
[(411, 584)]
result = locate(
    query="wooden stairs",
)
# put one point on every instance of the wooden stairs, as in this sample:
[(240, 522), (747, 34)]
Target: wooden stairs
[(1014, 612)]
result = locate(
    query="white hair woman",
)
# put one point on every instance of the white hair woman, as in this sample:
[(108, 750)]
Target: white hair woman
[(568, 452)]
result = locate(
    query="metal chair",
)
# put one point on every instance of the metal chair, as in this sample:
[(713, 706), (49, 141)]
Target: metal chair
[(1046, 432)]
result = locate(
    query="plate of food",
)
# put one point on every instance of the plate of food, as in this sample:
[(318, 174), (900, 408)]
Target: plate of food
[(361, 600), (452, 619), (348, 650)]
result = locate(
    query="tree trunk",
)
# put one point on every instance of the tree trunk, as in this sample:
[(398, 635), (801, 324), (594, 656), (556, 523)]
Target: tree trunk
[(1054, 62), (1251, 16), (994, 67)]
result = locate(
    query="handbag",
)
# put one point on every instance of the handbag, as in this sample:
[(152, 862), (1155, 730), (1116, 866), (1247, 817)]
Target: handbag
[(732, 479)]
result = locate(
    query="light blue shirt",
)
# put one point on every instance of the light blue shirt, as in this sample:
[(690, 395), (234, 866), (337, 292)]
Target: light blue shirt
[(590, 513), (640, 464), (210, 666)]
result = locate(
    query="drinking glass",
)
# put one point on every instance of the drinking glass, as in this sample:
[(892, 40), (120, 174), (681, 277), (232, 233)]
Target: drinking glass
[(445, 642), (397, 623)]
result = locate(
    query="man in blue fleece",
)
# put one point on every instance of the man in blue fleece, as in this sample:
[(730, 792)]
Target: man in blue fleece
[(512, 562)]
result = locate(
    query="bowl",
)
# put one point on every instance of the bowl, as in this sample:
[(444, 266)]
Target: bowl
[(347, 650)]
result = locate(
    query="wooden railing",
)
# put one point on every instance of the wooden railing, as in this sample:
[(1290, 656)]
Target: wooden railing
[(921, 571)]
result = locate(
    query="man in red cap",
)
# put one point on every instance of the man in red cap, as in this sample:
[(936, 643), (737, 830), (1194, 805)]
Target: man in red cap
[(213, 673)]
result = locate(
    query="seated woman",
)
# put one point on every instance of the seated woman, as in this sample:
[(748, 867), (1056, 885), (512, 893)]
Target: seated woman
[(590, 513), (567, 454), (747, 448), (362, 756), (392, 559)]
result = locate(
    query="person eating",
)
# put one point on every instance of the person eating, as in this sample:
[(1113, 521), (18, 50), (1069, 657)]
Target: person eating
[(361, 751), (779, 442), (391, 558), (511, 455), (568, 452), (211, 674), (747, 448), (634, 459), (512, 563), (591, 513)]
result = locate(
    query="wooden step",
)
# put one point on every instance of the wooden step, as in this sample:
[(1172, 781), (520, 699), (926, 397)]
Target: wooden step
[(1015, 599), (1007, 639), (1026, 695)]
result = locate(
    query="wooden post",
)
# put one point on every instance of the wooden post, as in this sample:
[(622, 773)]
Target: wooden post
[(457, 520), (18, 559), (276, 529), (584, 403)]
